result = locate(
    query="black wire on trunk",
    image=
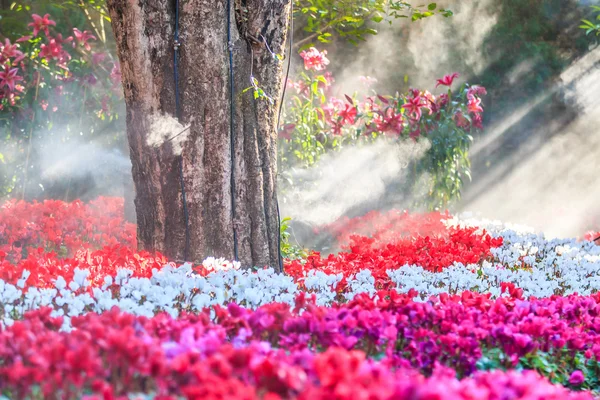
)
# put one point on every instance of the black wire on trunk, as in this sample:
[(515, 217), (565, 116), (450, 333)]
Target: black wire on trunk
[(231, 127), (176, 45)]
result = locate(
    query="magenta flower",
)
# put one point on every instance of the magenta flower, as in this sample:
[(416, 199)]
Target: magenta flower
[(447, 80), (577, 378), (115, 74), (41, 24), (413, 106), (9, 78), (82, 38), (8, 50)]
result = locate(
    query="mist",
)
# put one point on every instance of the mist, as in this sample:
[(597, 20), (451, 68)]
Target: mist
[(77, 167), (534, 164), (350, 183)]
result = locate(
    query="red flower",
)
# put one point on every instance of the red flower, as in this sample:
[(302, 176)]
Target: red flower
[(52, 50), (9, 78), (348, 114), (447, 80), (41, 24)]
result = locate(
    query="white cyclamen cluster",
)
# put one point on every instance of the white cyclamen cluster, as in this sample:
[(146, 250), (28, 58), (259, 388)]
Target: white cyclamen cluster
[(538, 266)]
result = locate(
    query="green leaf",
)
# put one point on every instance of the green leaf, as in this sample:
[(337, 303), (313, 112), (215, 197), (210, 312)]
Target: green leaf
[(432, 6)]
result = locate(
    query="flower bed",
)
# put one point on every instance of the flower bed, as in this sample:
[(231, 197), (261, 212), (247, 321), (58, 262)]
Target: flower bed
[(115, 354), (364, 322)]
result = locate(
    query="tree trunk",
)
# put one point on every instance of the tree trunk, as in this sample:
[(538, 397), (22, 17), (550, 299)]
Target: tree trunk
[(144, 33)]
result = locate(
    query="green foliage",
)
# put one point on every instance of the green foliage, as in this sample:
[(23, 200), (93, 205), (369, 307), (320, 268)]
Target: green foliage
[(534, 35), (351, 19), (557, 365), (66, 93), (589, 26), (289, 250), (317, 123)]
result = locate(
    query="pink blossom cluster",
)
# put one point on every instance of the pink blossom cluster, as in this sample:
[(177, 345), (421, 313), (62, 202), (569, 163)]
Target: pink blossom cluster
[(113, 355)]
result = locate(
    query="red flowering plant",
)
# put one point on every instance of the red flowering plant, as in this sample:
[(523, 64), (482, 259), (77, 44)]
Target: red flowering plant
[(317, 122), (53, 238), (55, 78)]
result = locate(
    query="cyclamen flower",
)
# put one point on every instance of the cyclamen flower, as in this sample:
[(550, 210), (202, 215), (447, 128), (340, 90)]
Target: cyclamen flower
[(576, 378), (447, 80), (314, 59), (41, 24)]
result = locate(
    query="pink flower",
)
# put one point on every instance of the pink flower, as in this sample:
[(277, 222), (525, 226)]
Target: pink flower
[(477, 121), (59, 39), (348, 114), (9, 78), (44, 104), (97, 58), (54, 51), (82, 38), (477, 91), (8, 50), (41, 24), (115, 74), (474, 105), (447, 80), (413, 106), (577, 378), (314, 59)]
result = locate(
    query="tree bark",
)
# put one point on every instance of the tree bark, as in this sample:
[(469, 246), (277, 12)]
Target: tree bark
[(144, 33)]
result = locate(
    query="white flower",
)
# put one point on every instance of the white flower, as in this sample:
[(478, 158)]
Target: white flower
[(60, 283)]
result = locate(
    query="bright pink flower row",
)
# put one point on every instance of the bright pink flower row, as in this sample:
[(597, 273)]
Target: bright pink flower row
[(114, 354)]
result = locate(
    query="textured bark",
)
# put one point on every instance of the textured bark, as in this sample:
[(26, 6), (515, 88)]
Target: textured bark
[(144, 33)]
